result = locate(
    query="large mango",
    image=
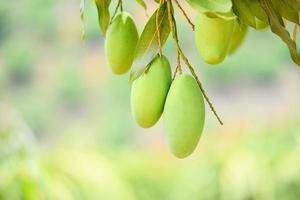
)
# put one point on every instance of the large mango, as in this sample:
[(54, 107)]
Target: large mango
[(149, 91), (238, 36), (213, 36), (121, 41), (184, 115)]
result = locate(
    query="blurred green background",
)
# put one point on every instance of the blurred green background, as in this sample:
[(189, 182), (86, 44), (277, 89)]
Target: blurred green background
[(66, 130)]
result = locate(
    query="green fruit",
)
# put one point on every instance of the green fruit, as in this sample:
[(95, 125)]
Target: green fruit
[(213, 36), (149, 91), (121, 41), (238, 36), (184, 115)]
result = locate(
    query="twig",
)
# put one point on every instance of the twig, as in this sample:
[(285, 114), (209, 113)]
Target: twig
[(116, 11), (175, 73), (178, 62), (178, 66), (295, 31), (184, 58), (185, 15), (121, 5), (157, 28), (175, 36), (178, 50)]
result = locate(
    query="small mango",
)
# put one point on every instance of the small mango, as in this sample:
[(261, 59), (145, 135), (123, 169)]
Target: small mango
[(120, 44), (149, 91), (238, 36), (184, 115), (213, 35)]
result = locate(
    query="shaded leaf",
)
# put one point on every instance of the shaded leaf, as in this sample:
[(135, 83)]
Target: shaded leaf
[(257, 10), (103, 14), (148, 46), (277, 26), (286, 11), (250, 13), (222, 6), (295, 4)]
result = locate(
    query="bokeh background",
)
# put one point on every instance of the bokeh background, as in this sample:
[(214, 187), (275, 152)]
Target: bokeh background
[(66, 131)]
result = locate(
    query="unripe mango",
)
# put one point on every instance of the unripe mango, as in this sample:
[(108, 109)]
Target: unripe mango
[(149, 91), (120, 44), (213, 36), (238, 36), (184, 115)]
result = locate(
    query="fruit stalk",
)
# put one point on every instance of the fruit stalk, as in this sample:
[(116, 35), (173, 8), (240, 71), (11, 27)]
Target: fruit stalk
[(185, 15), (119, 5), (173, 27), (157, 29), (295, 31)]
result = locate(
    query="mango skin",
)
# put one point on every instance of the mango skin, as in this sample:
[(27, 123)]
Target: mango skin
[(149, 92), (213, 35), (238, 36), (184, 115), (120, 44)]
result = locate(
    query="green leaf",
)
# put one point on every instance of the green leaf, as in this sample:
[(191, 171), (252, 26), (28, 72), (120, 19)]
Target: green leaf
[(286, 11), (295, 4), (250, 13), (222, 6), (148, 45), (257, 10), (103, 14), (277, 26)]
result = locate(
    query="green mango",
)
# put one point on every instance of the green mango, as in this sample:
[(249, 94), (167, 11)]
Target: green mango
[(238, 36), (120, 44), (213, 36), (149, 91), (184, 115)]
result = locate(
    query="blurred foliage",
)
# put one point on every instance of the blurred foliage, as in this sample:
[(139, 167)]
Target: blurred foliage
[(19, 63), (253, 166), (4, 21)]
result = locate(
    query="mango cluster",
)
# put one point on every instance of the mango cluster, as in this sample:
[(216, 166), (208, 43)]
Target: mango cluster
[(180, 101), (154, 93), (217, 37)]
